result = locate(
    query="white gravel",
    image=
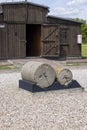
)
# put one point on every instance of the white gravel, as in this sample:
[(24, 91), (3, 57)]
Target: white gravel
[(55, 110), (81, 76)]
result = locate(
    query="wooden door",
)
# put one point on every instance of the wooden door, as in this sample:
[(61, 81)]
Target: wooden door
[(50, 40), (16, 41)]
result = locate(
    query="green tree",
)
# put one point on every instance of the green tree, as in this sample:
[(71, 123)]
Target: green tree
[(83, 28)]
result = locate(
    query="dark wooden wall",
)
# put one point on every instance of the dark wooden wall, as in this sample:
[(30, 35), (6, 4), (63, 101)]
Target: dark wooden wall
[(3, 43), (50, 40), (26, 13), (75, 48), (16, 40), (13, 41), (74, 28), (13, 36), (72, 48), (36, 15), (14, 13)]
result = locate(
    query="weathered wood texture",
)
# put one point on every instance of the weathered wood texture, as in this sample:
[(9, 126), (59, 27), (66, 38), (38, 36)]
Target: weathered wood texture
[(24, 12), (39, 73), (12, 41), (75, 48), (14, 12), (36, 15), (24, 20), (71, 48), (50, 40), (16, 41), (3, 43)]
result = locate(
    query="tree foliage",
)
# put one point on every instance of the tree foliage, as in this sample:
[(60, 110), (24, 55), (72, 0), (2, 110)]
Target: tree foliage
[(83, 28)]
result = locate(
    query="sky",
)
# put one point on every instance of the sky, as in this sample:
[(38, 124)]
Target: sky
[(63, 8)]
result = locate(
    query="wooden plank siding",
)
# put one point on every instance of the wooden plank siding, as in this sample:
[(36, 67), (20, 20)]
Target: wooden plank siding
[(65, 47), (75, 48), (16, 40), (14, 13), (3, 43), (13, 41), (27, 25), (72, 48), (25, 13), (36, 15), (17, 16)]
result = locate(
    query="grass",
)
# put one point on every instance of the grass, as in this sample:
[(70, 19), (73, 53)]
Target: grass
[(84, 50), (7, 67)]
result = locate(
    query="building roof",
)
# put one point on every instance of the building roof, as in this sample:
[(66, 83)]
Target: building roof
[(39, 5), (65, 19), (24, 2)]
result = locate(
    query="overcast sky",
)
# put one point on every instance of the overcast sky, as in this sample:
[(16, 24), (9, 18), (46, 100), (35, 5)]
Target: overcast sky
[(63, 8)]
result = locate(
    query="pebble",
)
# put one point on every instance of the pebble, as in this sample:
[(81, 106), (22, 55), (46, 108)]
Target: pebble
[(54, 110)]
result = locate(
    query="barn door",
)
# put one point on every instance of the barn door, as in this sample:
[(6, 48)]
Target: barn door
[(50, 40)]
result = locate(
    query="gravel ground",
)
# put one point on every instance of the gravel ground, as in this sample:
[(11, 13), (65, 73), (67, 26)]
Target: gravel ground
[(55, 110)]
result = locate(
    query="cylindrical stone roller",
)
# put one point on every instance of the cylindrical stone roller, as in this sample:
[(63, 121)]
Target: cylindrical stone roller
[(64, 76), (39, 73)]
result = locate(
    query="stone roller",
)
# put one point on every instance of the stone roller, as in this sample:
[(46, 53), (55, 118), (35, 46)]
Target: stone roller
[(64, 76), (42, 74)]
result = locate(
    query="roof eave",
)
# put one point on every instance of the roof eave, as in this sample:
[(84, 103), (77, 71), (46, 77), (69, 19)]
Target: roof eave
[(23, 2), (70, 20)]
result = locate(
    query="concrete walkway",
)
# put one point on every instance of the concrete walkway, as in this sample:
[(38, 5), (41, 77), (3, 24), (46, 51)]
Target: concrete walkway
[(60, 61)]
